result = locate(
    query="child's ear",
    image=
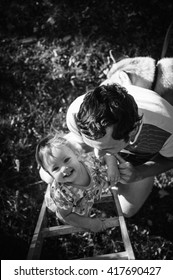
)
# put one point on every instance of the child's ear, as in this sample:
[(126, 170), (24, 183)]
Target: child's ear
[(45, 176)]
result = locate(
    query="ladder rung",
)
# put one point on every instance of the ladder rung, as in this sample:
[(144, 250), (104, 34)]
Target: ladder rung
[(113, 256), (66, 229), (42, 232)]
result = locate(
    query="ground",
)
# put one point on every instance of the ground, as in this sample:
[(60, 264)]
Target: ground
[(51, 53)]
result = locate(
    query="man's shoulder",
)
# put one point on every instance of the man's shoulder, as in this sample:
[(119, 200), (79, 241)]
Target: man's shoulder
[(142, 93), (150, 100), (75, 105)]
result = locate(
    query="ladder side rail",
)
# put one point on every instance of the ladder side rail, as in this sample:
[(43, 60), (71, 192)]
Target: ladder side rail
[(37, 239), (123, 227)]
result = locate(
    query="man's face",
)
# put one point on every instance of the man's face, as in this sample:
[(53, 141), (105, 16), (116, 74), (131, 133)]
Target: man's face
[(106, 144)]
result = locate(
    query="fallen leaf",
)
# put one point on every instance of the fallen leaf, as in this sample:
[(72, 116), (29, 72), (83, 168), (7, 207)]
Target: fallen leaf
[(28, 40), (170, 217), (163, 193), (149, 222), (66, 38)]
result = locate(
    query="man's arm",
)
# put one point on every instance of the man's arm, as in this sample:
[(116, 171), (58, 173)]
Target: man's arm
[(129, 173)]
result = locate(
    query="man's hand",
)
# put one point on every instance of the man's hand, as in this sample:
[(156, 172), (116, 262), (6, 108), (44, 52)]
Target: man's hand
[(157, 165)]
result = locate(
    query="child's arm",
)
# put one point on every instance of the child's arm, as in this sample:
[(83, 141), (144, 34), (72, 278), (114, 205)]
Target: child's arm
[(112, 169), (50, 204), (92, 224)]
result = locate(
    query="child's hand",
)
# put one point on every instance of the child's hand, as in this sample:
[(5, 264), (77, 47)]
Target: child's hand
[(113, 178), (109, 223), (88, 223), (96, 225), (112, 169), (101, 224)]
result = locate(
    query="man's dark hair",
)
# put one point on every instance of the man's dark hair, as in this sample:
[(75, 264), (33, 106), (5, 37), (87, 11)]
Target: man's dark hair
[(104, 106)]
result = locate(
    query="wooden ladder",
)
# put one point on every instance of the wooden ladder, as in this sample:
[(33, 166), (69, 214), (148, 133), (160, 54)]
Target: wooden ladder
[(41, 232)]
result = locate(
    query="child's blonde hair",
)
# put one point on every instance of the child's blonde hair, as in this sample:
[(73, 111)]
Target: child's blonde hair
[(45, 149)]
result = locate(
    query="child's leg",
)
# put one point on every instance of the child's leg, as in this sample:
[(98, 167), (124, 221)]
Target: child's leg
[(133, 195)]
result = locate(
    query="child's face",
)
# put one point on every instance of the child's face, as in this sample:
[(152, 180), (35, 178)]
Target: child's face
[(65, 167)]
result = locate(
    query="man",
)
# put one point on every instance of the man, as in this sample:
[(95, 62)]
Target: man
[(135, 125)]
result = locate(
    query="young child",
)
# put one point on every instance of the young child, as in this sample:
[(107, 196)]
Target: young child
[(73, 186)]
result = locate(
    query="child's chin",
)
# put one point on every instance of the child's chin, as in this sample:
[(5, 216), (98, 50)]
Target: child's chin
[(70, 179)]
